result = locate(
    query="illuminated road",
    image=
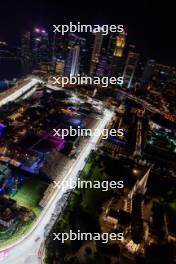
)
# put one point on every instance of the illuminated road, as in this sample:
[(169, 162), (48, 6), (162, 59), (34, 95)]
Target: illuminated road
[(145, 104), (26, 250), (18, 90)]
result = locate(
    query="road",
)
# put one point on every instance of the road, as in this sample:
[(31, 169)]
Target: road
[(26, 250), (18, 90), (145, 104)]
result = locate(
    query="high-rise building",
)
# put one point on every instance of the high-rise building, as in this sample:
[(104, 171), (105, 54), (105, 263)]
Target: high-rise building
[(101, 69), (129, 69), (72, 62), (74, 41), (116, 47), (40, 46), (26, 45), (26, 58), (59, 47), (148, 71), (119, 45), (66, 48), (96, 52)]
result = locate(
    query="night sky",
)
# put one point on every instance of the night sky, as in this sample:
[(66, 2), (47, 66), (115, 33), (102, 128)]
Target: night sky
[(150, 26)]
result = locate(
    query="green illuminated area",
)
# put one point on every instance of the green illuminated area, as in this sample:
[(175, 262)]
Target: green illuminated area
[(30, 194)]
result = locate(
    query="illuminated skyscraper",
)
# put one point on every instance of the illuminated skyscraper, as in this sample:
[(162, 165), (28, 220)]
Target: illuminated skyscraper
[(129, 69), (66, 48), (74, 41), (119, 45), (72, 62), (101, 69), (40, 46), (96, 53), (116, 47), (59, 47)]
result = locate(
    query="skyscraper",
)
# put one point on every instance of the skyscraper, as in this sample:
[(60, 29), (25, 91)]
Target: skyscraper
[(148, 71), (59, 47), (74, 41), (40, 46), (101, 69), (116, 47), (129, 69), (71, 49), (72, 62), (96, 52), (26, 45), (26, 58), (119, 45)]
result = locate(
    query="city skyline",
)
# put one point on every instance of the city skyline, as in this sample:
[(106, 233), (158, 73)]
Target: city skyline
[(87, 132), (149, 25)]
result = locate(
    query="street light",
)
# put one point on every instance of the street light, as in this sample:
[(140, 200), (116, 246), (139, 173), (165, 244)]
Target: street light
[(135, 171)]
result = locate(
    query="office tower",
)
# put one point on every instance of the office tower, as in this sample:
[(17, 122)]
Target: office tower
[(75, 61), (101, 69), (84, 57), (111, 46), (26, 45), (96, 52), (72, 62), (148, 72), (59, 47), (64, 48), (129, 69), (40, 46), (116, 47), (119, 45), (26, 59), (74, 40)]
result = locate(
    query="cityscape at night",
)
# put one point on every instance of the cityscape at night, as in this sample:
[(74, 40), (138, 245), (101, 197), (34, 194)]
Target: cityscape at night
[(87, 132)]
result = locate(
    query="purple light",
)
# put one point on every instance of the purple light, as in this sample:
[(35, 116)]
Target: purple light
[(58, 142), (43, 31), (37, 30), (2, 127), (115, 140)]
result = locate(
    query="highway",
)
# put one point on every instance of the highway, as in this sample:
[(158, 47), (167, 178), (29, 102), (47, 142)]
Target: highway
[(25, 251), (18, 90)]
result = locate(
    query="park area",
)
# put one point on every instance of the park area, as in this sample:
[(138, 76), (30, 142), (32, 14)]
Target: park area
[(30, 194)]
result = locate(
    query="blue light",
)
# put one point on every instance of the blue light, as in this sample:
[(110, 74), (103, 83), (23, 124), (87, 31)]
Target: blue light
[(2, 127)]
